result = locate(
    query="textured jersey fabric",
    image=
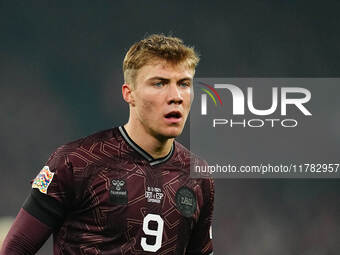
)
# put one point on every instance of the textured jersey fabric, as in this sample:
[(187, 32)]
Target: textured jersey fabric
[(105, 195)]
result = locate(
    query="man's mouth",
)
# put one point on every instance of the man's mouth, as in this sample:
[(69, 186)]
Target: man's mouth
[(173, 117), (173, 114)]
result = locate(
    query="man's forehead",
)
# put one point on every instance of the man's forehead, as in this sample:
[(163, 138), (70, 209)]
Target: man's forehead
[(166, 70)]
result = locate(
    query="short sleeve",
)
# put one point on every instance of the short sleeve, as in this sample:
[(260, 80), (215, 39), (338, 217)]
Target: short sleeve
[(56, 179), (52, 194)]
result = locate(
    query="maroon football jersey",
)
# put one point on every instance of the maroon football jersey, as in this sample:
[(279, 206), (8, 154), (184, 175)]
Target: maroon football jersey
[(112, 197)]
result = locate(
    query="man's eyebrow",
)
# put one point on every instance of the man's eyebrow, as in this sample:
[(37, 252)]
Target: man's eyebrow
[(186, 79), (158, 78), (166, 79)]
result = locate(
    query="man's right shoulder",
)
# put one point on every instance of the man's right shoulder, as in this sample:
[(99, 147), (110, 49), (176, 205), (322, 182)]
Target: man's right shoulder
[(91, 148)]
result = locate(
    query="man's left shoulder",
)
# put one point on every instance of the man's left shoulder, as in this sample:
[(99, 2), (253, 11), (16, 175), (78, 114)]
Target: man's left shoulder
[(186, 153), (190, 160)]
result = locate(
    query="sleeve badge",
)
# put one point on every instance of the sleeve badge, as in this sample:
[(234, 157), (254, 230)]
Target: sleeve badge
[(43, 180)]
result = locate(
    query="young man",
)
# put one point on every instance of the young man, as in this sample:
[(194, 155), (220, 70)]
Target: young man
[(126, 190)]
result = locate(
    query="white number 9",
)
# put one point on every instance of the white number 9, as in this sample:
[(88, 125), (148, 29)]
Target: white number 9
[(158, 233)]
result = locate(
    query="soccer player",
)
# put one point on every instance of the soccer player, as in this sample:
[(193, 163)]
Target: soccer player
[(126, 190)]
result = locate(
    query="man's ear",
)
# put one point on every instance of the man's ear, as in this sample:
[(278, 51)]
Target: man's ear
[(127, 94)]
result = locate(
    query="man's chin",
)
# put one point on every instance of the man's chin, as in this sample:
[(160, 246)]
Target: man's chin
[(172, 133)]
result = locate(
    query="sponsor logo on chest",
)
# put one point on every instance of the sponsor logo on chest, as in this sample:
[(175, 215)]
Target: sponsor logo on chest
[(118, 192)]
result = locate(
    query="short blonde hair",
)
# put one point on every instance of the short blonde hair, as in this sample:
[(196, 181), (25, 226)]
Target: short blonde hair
[(157, 46)]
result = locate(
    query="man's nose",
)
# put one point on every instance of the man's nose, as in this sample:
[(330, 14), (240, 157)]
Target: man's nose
[(174, 94)]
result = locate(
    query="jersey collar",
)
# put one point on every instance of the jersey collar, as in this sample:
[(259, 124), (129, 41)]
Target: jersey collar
[(143, 153)]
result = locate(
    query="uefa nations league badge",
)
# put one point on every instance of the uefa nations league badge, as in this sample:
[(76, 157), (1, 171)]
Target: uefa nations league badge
[(186, 201)]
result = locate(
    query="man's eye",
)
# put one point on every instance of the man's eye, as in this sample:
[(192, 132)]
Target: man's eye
[(158, 84), (185, 84)]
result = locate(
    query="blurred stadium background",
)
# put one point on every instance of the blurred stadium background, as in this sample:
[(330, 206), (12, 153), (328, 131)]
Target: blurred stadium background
[(60, 79)]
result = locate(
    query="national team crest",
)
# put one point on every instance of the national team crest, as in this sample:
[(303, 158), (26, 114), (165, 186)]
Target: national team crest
[(186, 201), (43, 180)]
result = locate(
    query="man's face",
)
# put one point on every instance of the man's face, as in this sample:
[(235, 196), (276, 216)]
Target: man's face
[(162, 98)]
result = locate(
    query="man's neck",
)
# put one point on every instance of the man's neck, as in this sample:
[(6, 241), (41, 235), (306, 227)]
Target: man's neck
[(157, 148)]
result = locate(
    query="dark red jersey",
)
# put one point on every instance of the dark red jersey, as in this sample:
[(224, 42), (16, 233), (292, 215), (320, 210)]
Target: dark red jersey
[(103, 194)]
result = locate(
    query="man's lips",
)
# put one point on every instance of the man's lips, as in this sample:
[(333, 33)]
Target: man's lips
[(173, 116)]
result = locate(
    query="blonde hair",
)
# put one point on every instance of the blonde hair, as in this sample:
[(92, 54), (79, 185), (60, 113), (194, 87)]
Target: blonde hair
[(153, 47)]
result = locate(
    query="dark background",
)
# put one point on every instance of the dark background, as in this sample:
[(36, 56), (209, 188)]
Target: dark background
[(60, 79)]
